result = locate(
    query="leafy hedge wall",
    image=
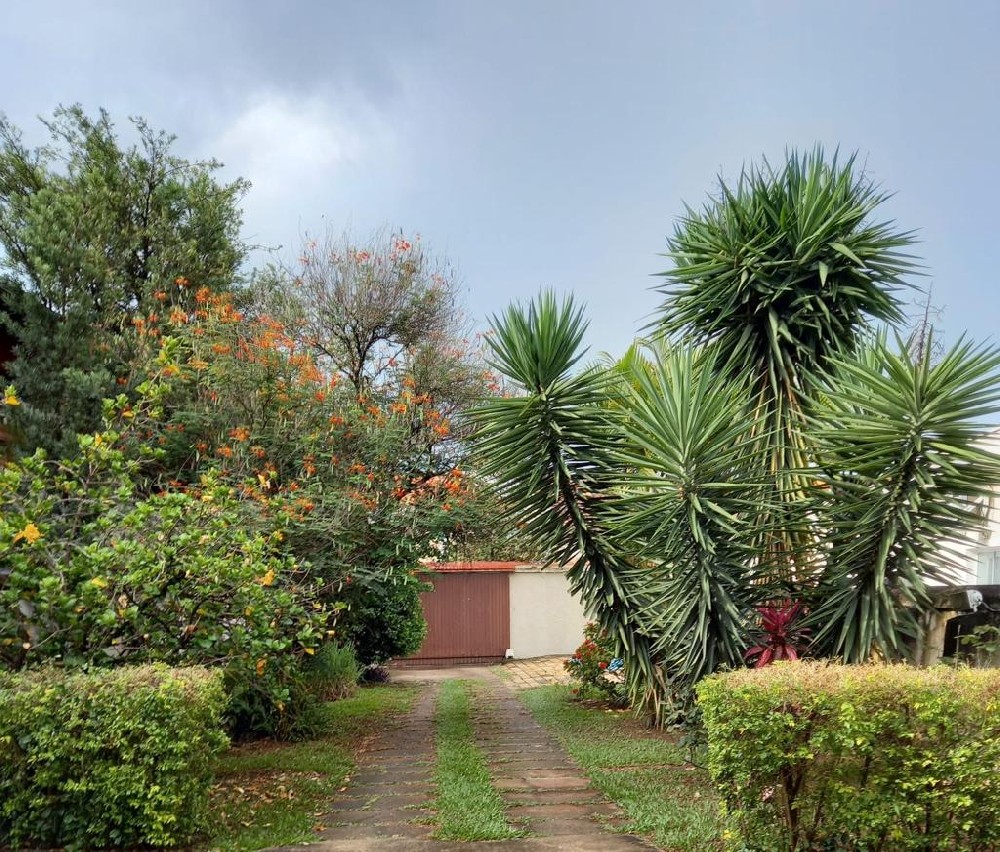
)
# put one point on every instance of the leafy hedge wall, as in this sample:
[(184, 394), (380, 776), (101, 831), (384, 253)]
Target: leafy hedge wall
[(875, 757), (116, 757)]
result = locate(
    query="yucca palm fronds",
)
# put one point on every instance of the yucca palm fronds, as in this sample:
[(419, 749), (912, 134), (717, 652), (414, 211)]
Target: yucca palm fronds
[(689, 486), (784, 269), (550, 454), (899, 444), (777, 275)]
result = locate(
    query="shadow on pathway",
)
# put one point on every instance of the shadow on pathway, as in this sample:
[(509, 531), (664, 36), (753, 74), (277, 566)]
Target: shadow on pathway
[(385, 806)]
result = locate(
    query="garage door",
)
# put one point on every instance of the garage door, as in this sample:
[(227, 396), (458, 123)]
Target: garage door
[(468, 618)]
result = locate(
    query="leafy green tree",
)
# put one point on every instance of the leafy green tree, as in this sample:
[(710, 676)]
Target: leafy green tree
[(96, 235), (384, 315)]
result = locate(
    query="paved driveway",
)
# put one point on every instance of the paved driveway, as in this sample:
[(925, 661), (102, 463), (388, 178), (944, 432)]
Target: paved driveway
[(518, 674), (388, 803)]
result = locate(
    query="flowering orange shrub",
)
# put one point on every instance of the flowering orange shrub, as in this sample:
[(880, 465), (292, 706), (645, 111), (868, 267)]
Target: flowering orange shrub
[(353, 481)]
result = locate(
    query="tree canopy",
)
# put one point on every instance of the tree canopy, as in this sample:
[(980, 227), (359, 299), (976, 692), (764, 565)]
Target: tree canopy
[(97, 234)]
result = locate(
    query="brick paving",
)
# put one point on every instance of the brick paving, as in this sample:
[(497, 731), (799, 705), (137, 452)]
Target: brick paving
[(540, 671), (387, 802), (388, 795), (546, 793)]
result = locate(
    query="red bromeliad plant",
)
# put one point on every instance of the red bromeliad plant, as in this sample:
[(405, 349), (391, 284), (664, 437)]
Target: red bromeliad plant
[(779, 637)]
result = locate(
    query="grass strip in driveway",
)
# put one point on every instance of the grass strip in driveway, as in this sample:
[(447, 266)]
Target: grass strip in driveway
[(468, 806), (273, 794), (643, 771)]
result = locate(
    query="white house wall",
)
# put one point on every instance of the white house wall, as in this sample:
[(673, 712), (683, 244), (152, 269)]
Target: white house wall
[(965, 555), (545, 618)]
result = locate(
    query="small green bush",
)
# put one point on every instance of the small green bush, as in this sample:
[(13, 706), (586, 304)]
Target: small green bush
[(383, 620), (333, 673), (115, 757), (879, 757)]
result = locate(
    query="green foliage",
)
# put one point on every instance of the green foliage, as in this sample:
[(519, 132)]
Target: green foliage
[(690, 492), (589, 664), (238, 397), (550, 450), (383, 620), (107, 758), (784, 269), (485, 529), (333, 672), (100, 575), (983, 643), (816, 756), (767, 447), (95, 235), (900, 466)]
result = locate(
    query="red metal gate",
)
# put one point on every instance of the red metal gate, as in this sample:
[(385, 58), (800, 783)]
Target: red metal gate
[(468, 618)]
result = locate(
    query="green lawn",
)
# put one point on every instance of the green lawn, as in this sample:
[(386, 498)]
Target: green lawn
[(272, 794), (644, 771), (468, 806)]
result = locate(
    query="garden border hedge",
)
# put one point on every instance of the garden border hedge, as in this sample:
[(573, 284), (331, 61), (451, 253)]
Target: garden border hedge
[(814, 755), (111, 757)]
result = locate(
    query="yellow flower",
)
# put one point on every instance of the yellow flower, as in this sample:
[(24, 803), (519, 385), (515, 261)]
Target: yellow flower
[(30, 534), (309, 651), (268, 578), (10, 396)]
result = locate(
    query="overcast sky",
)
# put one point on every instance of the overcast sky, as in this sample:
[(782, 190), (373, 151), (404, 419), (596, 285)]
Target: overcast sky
[(544, 144)]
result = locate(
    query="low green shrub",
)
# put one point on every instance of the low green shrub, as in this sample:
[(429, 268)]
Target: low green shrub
[(879, 757), (116, 757), (333, 672)]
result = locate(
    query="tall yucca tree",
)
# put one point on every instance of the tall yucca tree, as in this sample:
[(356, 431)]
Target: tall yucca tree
[(639, 477), (900, 464), (686, 486), (770, 447), (776, 276), (549, 450)]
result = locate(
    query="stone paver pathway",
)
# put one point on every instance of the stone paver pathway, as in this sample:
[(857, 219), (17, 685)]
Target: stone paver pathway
[(385, 805), (526, 674), (545, 791), (387, 795)]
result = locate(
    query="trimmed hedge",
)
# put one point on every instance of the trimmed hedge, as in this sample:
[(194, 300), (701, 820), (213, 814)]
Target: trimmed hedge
[(117, 757), (811, 756)]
